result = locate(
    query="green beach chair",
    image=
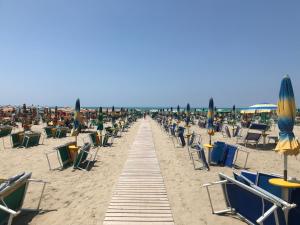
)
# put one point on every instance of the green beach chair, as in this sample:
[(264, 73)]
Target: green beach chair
[(63, 156), (17, 139), (95, 141), (48, 131), (31, 139), (5, 131), (84, 157), (12, 195), (61, 132)]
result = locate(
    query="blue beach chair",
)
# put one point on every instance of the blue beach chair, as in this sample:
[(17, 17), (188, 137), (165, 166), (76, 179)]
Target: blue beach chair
[(251, 205)]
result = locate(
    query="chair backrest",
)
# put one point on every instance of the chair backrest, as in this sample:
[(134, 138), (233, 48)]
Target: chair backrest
[(294, 214), (192, 139), (249, 175), (227, 132), (218, 153), (230, 155), (252, 136), (201, 156), (242, 179), (237, 131), (94, 139), (48, 131), (262, 181), (83, 154), (63, 151), (5, 130), (13, 194), (258, 126), (257, 203)]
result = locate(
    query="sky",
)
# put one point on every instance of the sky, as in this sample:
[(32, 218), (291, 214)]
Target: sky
[(148, 52)]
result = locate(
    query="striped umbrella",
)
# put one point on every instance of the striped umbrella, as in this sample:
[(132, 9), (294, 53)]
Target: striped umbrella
[(76, 124), (286, 112), (100, 119), (210, 119), (188, 110)]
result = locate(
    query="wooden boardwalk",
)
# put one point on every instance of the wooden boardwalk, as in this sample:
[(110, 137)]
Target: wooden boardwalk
[(140, 197)]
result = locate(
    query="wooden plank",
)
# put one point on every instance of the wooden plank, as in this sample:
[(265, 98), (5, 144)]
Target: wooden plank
[(140, 196)]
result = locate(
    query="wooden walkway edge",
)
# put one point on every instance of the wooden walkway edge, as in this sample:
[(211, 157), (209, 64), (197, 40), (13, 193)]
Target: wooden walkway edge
[(140, 197)]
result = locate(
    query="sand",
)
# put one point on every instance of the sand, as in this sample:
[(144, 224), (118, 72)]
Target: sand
[(189, 201), (78, 197), (71, 197)]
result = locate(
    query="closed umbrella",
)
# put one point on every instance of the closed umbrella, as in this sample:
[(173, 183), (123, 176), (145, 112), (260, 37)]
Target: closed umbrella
[(76, 125), (210, 119), (286, 112)]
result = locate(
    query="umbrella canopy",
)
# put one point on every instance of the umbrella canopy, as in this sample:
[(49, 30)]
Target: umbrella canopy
[(100, 119), (188, 108), (233, 112), (178, 108), (260, 108), (286, 112), (76, 114), (210, 117)]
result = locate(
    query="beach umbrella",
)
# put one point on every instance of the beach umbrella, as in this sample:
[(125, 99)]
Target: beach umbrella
[(100, 119), (233, 112), (178, 109), (76, 125), (286, 112), (188, 110), (210, 119)]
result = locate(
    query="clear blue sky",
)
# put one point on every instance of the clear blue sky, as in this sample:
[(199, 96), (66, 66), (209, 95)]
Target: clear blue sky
[(147, 52)]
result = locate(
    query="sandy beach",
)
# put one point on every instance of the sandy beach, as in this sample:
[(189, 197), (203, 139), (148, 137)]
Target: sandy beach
[(71, 197), (77, 197)]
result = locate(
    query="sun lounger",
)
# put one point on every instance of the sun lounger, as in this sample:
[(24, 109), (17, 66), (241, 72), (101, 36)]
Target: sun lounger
[(106, 138), (61, 132), (5, 131), (48, 131), (201, 157), (31, 139), (94, 139), (63, 156), (250, 204), (224, 154), (226, 132), (262, 184), (12, 195), (84, 157), (253, 138)]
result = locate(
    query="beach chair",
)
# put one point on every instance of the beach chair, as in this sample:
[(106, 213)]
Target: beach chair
[(94, 140), (12, 195), (4, 132), (200, 157), (262, 184), (218, 153), (48, 131), (252, 138), (31, 140), (225, 132), (251, 205), (106, 138), (61, 132), (63, 156), (85, 157), (226, 155), (17, 139)]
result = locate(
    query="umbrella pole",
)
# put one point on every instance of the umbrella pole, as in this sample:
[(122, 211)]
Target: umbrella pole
[(209, 139), (285, 167)]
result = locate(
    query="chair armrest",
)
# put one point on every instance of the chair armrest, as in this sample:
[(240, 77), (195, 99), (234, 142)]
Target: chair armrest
[(10, 211)]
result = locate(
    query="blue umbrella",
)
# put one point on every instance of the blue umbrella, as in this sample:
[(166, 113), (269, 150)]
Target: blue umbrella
[(210, 119), (286, 112)]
